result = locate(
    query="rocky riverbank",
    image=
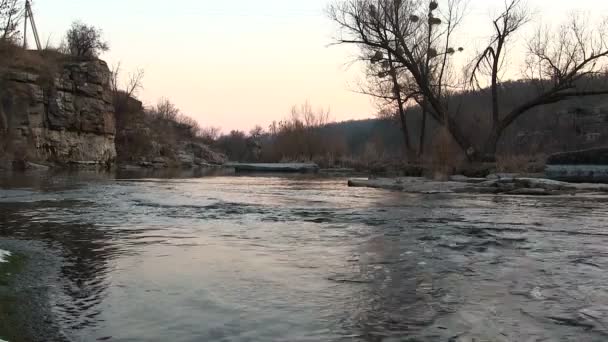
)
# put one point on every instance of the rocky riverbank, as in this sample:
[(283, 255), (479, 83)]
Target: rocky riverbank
[(58, 111)]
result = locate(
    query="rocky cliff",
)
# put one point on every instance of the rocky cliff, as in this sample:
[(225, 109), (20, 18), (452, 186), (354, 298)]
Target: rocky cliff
[(60, 115)]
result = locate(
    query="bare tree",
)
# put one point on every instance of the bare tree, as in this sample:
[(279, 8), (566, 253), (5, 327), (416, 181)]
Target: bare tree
[(85, 41), (123, 93), (134, 83), (193, 127), (166, 110), (210, 134), (436, 65), (11, 14), (391, 88), (492, 60), (256, 132), (114, 77), (559, 61), (308, 117), (415, 37)]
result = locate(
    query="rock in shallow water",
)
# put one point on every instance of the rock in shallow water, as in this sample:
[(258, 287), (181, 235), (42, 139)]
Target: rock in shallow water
[(529, 192), (278, 167)]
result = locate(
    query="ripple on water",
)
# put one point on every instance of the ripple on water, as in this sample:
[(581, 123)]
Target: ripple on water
[(261, 259)]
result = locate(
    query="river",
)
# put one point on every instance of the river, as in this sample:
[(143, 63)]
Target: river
[(304, 258)]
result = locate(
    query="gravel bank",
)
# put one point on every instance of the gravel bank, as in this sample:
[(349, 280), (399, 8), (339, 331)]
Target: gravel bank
[(27, 285)]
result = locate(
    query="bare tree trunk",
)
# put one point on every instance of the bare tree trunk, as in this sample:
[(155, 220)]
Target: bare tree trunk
[(427, 82), (411, 156), (491, 146), (425, 109)]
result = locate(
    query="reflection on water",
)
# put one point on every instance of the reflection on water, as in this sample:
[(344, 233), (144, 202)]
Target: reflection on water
[(305, 259)]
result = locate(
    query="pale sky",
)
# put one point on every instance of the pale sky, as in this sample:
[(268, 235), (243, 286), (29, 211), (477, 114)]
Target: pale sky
[(234, 64)]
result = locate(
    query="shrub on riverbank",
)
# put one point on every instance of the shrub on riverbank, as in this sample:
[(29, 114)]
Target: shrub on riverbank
[(159, 136)]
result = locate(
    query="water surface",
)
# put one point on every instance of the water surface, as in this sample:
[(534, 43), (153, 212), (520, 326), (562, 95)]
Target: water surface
[(230, 258)]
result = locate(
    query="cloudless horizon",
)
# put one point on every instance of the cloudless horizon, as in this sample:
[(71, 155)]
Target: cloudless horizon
[(241, 63)]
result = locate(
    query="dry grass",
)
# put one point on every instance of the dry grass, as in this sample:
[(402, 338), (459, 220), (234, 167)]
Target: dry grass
[(520, 163), (45, 63), (330, 160), (445, 155), (511, 163)]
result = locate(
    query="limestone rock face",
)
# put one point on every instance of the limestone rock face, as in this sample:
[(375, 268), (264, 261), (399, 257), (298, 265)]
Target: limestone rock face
[(63, 117)]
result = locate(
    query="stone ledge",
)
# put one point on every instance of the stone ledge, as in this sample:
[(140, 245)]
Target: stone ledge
[(504, 186), (578, 173)]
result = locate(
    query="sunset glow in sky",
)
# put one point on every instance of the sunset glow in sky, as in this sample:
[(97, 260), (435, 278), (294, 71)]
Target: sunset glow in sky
[(235, 64)]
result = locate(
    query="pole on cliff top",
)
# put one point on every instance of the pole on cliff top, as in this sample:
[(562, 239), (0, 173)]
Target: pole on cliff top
[(29, 14)]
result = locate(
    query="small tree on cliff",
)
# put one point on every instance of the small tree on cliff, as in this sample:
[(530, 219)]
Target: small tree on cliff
[(123, 93), (85, 41)]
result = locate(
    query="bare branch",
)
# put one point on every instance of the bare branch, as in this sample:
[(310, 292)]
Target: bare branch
[(11, 14), (414, 38), (135, 82)]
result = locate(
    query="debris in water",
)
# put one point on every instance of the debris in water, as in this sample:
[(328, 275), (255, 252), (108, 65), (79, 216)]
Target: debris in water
[(4, 255), (339, 279), (570, 321), (537, 294)]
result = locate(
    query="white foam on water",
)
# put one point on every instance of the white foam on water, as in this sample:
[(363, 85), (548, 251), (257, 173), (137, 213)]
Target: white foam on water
[(4, 255)]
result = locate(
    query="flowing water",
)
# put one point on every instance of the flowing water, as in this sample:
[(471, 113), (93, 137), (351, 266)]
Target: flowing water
[(227, 258)]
